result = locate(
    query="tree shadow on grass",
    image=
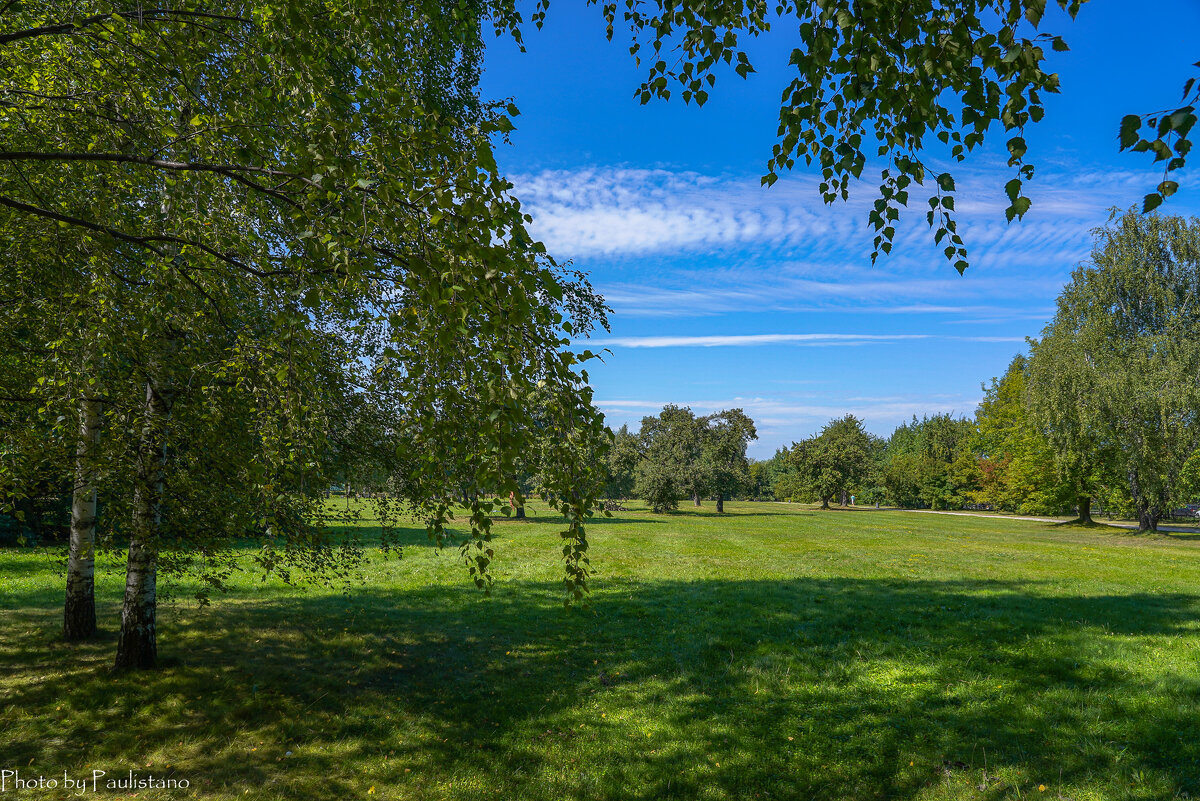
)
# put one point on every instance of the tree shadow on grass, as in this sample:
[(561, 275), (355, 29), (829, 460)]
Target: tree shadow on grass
[(620, 519), (802, 688), (1162, 535), (740, 513), (596, 520)]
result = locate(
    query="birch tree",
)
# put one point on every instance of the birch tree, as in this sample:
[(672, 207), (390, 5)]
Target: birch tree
[(1114, 376), (330, 191)]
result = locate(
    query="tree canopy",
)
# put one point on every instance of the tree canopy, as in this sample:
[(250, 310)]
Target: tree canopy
[(683, 455), (930, 462), (621, 464), (671, 443), (725, 436), (1017, 464), (834, 460), (280, 240)]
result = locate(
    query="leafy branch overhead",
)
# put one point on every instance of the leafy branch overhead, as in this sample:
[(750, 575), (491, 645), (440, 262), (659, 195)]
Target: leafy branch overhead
[(1166, 135), (907, 86), (874, 80)]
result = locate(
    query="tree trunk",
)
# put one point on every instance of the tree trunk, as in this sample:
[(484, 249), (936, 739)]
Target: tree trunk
[(520, 514), (845, 498), (1148, 513), (1085, 509), (79, 612), (137, 647), (696, 498), (825, 502), (1148, 518), (720, 503)]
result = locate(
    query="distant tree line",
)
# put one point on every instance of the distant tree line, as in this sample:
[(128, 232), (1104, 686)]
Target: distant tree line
[(1104, 412), (929, 462)]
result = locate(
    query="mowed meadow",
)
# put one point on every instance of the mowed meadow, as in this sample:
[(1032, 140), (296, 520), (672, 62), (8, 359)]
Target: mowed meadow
[(773, 652)]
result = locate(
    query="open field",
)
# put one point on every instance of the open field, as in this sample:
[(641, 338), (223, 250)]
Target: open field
[(776, 652)]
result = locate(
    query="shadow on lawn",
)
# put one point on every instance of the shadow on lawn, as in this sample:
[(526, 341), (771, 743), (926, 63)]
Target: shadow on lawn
[(410, 534), (1162, 535), (866, 676)]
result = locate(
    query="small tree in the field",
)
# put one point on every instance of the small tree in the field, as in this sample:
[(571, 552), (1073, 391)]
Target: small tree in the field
[(725, 436), (671, 445), (657, 486), (621, 464), (833, 461)]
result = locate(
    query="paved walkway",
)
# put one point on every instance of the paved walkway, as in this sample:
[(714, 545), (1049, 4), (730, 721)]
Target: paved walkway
[(1169, 529)]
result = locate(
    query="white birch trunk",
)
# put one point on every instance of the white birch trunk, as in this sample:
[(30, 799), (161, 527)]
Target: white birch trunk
[(79, 613), (137, 647)]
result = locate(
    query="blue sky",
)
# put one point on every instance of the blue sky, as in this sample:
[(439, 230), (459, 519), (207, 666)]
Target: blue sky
[(728, 294)]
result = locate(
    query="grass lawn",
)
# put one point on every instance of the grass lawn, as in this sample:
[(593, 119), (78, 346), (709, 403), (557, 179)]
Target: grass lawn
[(775, 652)]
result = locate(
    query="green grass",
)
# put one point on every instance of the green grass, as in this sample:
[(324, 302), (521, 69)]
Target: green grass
[(776, 652)]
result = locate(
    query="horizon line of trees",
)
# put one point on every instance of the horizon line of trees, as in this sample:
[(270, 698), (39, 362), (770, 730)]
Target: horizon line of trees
[(1104, 412)]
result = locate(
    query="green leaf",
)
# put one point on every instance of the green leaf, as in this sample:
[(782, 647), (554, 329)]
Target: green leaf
[(1130, 124), (1020, 206)]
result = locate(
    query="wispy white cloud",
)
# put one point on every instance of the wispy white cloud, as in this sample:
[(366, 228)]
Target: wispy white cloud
[(747, 248), (724, 340), (809, 340), (987, 339), (622, 211), (760, 289), (1012, 315)]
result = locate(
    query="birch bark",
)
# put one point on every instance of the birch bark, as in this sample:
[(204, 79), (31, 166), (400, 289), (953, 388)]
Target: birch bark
[(79, 613)]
